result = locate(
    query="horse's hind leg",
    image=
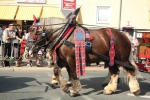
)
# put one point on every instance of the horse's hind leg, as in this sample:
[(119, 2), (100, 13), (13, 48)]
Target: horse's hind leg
[(112, 85), (107, 80), (133, 83)]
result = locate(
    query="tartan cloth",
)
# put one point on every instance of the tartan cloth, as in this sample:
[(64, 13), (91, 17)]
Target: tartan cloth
[(80, 56)]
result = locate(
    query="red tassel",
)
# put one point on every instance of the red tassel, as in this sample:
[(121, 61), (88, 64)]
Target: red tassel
[(91, 38), (34, 18)]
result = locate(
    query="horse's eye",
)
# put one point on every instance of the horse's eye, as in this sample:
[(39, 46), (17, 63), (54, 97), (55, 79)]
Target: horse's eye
[(43, 34)]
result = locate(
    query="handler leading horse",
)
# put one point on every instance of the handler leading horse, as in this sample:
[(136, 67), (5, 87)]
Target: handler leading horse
[(100, 45)]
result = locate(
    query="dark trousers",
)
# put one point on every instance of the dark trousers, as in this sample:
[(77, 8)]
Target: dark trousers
[(7, 50)]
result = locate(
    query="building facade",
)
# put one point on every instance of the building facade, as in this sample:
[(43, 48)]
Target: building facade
[(129, 15)]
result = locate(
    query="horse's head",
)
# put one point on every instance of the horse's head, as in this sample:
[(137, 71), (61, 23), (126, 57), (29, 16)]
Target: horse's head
[(35, 25), (37, 34)]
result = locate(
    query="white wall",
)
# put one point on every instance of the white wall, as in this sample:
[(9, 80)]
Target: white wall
[(137, 12), (88, 11)]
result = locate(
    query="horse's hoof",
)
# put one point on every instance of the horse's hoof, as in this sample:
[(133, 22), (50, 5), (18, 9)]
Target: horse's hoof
[(107, 92), (137, 92), (104, 84), (54, 84), (72, 94)]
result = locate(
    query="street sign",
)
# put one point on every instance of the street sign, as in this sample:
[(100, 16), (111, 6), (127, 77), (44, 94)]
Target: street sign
[(68, 4)]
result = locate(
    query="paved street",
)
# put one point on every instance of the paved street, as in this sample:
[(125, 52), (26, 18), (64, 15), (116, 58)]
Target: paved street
[(33, 83), (26, 83)]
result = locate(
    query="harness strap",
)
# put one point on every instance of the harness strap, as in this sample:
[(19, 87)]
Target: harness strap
[(112, 52), (55, 42), (110, 32), (66, 35)]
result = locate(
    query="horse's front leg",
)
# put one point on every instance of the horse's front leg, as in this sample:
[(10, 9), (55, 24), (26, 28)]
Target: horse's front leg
[(112, 85), (54, 81), (69, 82), (51, 60), (61, 81), (76, 85)]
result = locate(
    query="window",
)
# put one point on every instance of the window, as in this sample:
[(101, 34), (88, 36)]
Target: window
[(103, 14)]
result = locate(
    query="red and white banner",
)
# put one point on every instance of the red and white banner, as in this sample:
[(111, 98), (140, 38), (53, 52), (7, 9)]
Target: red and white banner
[(68, 4)]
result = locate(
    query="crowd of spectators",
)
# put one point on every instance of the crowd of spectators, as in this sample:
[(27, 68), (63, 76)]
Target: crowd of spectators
[(11, 37)]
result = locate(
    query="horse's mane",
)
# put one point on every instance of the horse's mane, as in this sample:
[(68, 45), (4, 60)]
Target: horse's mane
[(50, 24)]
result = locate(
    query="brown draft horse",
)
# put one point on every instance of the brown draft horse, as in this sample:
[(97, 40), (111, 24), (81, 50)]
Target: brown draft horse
[(100, 45)]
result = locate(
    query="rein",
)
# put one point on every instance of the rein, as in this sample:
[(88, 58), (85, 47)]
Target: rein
[(47, 37), (94, 26)]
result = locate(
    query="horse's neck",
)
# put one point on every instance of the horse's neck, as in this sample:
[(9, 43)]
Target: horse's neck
[(50, 28), (52, 37)]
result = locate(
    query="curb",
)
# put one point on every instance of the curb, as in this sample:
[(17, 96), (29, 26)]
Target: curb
[(13, 68), (45, 67)]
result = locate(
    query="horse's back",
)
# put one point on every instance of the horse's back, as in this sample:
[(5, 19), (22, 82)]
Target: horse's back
[(101, 42)]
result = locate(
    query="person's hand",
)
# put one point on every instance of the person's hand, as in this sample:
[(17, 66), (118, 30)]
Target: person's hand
[(21, 40), (7, 38), (11, 37)]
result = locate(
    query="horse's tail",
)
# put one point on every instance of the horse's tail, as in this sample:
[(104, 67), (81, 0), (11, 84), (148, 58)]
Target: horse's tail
[(131, 59)]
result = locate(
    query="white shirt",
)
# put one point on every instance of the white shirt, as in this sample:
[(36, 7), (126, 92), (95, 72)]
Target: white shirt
[(8, 33)]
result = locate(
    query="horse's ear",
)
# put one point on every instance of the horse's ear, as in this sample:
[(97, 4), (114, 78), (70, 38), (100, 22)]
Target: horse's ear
[(34, 18)]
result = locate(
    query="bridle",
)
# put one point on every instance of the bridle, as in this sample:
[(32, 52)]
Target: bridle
[(37, 31), (35, 26)]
